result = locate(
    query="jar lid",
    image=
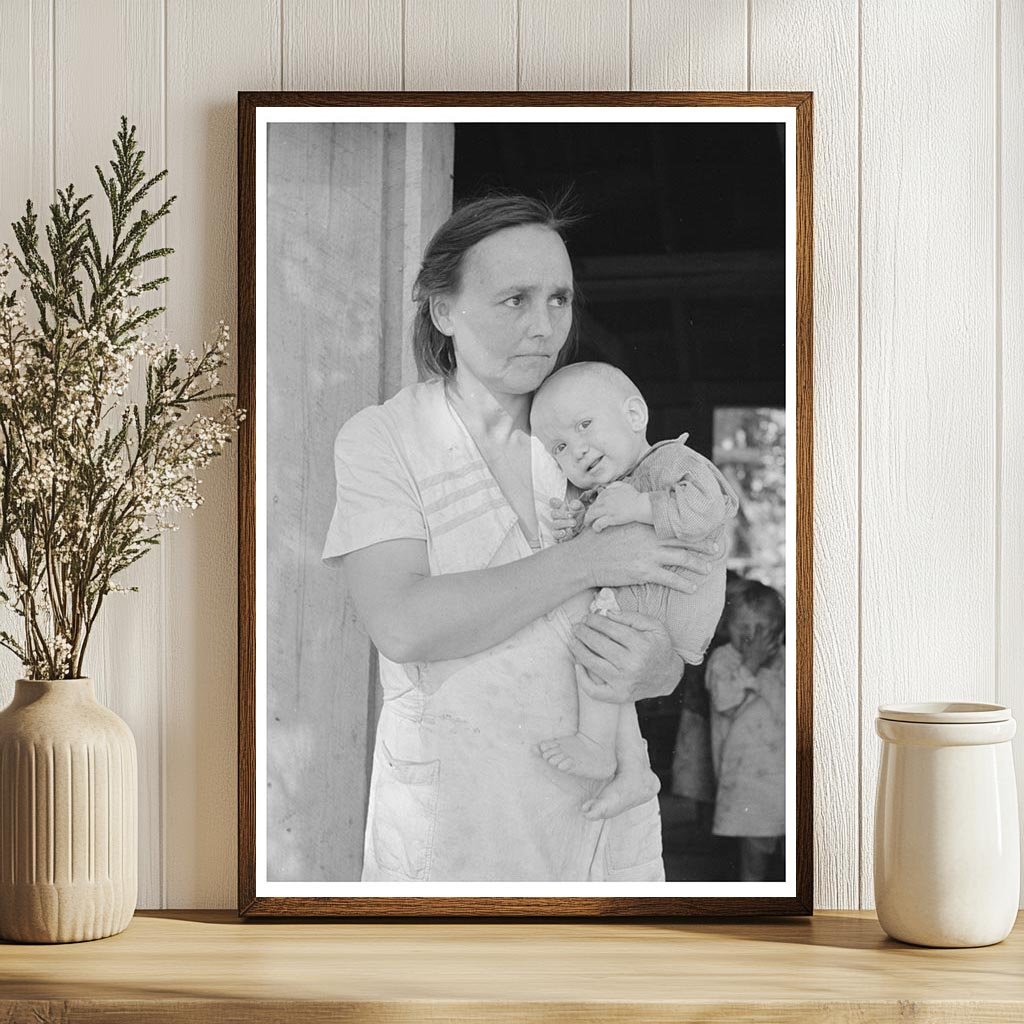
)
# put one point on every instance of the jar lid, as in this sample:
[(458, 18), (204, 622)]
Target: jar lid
[(945, 713)]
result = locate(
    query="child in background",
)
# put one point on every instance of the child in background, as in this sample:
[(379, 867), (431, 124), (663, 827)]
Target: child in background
[(593, 420), (746, 681), (693, 772)]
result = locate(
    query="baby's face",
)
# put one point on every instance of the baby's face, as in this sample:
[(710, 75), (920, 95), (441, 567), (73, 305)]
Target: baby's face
[(742, 623), (588, 431)]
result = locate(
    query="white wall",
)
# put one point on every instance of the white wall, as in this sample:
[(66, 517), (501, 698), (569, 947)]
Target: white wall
[(919, 327)]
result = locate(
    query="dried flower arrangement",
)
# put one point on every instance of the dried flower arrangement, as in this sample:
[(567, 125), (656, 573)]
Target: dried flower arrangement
[(88, 477)]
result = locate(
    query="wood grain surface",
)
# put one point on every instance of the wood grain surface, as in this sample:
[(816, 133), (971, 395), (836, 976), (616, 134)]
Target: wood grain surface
[(793, 47), (346, 201), (227, 46), (325, 353), (26, 126), (701, 44), (342, 44), (471, 44), (1010, 368), (928, 367), (135, 677), (574, 44), (919, 163), (207, 966)]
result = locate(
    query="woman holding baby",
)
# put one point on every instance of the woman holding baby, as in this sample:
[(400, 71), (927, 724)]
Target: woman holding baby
[(444, 528)]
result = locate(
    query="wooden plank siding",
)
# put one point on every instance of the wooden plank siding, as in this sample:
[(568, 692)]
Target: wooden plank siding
[(126, 648), (791, 50), (919, 351), (26, 128), (928, 518), (227, 46), (466, 45), (574, 44), (1009, 257)]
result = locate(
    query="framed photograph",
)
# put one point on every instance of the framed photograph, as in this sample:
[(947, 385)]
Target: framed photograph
[(525, 504)]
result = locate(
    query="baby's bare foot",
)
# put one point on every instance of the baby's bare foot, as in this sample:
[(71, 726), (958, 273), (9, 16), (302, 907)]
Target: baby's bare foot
[(578, 755), (633, 786)]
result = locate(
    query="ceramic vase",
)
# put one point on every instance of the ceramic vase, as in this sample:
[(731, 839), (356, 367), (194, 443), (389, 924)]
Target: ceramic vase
[(68, 815), (947, 848)]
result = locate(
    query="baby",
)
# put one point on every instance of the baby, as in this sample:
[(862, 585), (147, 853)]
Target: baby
[(593, 420)]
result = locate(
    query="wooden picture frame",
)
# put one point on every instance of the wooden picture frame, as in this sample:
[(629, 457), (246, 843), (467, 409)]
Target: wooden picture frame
[(407, 183)]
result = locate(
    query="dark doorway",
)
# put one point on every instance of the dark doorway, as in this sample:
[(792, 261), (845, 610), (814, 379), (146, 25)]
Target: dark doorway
[(681, 264)]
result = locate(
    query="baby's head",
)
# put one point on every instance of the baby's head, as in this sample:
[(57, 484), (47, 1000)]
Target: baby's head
[(755, 605), (593, 420)]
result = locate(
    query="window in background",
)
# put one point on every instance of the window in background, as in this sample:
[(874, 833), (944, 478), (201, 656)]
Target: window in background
[(750, 449)]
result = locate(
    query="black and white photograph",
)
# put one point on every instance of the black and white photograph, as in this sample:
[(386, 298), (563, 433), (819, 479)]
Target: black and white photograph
[(524, 505)]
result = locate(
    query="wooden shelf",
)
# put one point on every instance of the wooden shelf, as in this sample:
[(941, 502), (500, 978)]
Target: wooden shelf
[(205, 966)]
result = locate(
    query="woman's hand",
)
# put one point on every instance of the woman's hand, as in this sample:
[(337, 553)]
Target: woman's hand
[(623, 657), (633, 553)]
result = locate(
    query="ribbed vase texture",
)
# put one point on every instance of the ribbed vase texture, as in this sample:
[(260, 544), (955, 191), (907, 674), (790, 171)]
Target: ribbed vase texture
[(68, 815)]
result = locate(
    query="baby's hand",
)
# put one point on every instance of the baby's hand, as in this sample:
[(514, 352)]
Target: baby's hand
[(619, 503), (566, 518)]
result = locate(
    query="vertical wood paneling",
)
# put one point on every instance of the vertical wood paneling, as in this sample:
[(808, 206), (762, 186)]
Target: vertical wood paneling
[(418, 201), (1010, 680), (700, 44), (26, 101), (931, 227), (342, 44), (213, 51), (574, 44), (928, 516), (466, 45), (814, 46), (324, 355), (350, 209), (26, 170), (122, 658)]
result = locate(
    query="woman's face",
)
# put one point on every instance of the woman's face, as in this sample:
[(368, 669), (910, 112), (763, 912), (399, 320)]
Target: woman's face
[(513, 310)]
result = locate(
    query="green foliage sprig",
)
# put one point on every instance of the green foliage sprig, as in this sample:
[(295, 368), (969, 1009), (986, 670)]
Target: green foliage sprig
[(89, 478)]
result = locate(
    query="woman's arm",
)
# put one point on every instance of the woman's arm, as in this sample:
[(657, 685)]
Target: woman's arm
[(413, 616)]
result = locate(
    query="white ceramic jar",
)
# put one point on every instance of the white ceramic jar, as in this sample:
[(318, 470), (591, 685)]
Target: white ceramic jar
[(947, 848)]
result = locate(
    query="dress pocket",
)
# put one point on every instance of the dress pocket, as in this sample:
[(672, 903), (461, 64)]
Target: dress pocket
[(404, 814), (633, 846)]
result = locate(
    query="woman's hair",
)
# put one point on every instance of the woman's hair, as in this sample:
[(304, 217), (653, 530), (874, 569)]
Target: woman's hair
[(763, 600), (440, 271)]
